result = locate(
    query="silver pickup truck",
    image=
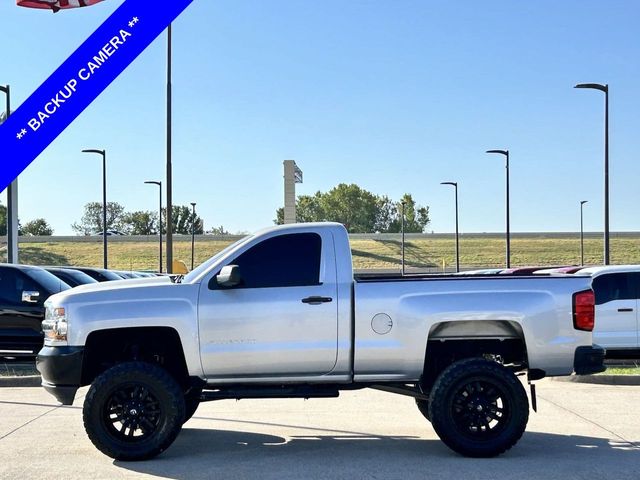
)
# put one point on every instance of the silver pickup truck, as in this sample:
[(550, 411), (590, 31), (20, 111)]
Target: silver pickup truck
[(279, 314)]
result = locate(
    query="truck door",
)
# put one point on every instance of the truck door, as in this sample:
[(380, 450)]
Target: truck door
[(281, 320), (616, 310)]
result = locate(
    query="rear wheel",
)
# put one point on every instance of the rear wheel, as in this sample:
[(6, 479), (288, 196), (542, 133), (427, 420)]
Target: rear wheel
[(133, 411), (478, 408)]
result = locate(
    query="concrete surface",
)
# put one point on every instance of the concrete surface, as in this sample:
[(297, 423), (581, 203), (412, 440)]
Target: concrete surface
[(581, 432), (603, 379)]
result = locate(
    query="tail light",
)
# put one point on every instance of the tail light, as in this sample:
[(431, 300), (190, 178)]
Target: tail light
[(584, 310)]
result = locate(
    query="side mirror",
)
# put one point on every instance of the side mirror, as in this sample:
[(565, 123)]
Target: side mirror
[(30, 296), (229, 276)]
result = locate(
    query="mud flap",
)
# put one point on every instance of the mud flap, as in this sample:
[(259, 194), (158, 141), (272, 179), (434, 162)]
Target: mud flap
[(534, 401)]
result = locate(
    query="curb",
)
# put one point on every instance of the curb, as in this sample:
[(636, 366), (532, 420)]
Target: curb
[(23, 381), (627, 380)]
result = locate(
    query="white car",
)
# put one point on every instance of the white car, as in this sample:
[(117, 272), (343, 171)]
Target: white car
[(617, 290)]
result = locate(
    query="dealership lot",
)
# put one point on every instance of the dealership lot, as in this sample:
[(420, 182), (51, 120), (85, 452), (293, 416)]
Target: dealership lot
[(582, 431)]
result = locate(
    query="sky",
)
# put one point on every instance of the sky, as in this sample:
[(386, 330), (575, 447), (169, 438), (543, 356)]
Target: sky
[(396, 96)]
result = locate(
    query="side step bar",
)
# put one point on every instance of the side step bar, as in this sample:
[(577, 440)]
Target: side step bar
[(403, 389), (283, 391)]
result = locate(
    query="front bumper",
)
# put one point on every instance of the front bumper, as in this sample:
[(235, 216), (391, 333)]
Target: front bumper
[(61, 370), (589, 360)]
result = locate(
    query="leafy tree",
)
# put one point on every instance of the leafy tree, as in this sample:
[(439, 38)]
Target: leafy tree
[(142, 222), (387, 214), (359, 210), (181, 220), (91, 221), (416, 217), (218, 231), (308, 209), (37, 227), (354, 207), (3, 220)]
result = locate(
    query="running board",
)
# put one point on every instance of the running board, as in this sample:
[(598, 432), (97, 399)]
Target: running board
[(284, 391), (408, 390)]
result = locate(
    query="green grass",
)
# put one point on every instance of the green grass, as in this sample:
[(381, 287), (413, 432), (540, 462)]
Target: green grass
[(425, 253), (622, 371)]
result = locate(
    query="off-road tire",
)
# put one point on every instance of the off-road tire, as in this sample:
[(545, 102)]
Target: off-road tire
[(144, 396), (468, 397)]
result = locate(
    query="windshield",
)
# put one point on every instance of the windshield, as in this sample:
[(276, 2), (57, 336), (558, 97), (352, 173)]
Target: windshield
[(47, 280), (203, 267)]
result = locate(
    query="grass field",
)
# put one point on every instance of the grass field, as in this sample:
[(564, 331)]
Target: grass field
[(425, 253)]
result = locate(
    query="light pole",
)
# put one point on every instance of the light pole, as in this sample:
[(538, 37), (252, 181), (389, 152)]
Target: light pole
[(104, 202), (455, 185), (169, 168), (402, 204), (582, 232), (12, 198), (159, 184), (508, 235), (605, 89), (193, 232)]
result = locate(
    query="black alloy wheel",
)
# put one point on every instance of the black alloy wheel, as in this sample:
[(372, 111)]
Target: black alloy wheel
[(133, 411), (478, 407)]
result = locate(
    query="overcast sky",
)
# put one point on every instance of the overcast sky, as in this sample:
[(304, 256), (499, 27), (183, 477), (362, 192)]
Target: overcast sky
[(395, 96)]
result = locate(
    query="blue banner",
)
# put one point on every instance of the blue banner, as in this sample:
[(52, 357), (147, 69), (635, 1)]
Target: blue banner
[(79, 81)]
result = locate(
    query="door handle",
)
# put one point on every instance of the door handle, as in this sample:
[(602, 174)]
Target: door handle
[(316, 300), (625, 309)]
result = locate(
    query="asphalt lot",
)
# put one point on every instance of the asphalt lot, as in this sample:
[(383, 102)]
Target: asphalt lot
[(581, 431)]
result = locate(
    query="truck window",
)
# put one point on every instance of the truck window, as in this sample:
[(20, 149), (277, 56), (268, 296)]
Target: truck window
[(615, 286), (47, 280), (291, 260), (13, 283)]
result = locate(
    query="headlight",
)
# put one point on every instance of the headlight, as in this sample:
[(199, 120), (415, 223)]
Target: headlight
[(55, 326)]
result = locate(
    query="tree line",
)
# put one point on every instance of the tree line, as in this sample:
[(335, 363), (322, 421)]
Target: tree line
[(38, 226), (140, 222), (359, 210)]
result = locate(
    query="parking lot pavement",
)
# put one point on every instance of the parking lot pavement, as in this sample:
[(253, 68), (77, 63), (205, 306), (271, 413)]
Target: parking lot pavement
[(581, 431)]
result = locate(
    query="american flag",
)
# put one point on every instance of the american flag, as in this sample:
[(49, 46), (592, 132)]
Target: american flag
[(56, 5)]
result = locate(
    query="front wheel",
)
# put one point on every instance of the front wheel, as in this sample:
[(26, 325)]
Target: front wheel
[(133, 411), (478, 408)]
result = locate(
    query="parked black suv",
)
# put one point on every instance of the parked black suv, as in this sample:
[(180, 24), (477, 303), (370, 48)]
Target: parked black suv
[(23, 291)]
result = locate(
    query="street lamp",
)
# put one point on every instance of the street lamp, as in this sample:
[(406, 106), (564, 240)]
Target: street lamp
[(508, 234), (582, 232), (605, 89), (12, 198), (193, 232), (104, 202), (455, 185), (159, 184), (402, 204), (169, 167)]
